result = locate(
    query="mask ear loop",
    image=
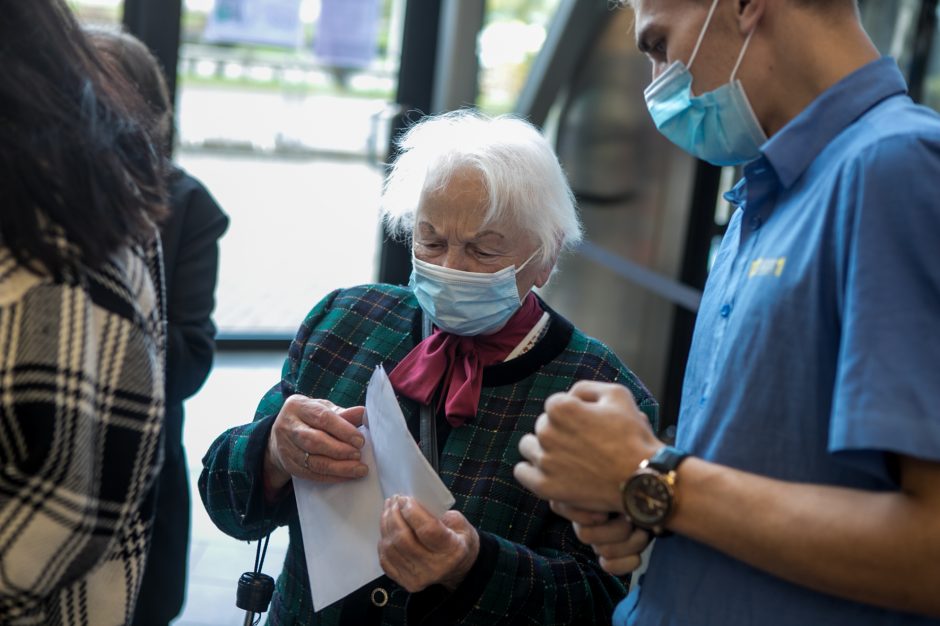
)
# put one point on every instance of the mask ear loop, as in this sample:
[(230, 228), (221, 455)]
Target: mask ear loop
[(747, 42), (701, 35), (532, 256)]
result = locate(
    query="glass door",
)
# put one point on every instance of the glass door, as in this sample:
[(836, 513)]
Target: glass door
[(280, 112)]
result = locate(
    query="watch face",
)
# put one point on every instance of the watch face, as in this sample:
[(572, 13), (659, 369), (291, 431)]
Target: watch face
[(647, 499)]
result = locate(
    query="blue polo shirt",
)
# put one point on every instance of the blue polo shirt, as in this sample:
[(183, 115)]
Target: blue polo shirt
[(816, 352)]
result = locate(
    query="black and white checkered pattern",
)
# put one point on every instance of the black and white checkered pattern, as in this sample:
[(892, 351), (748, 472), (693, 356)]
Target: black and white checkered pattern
[(81, 413)]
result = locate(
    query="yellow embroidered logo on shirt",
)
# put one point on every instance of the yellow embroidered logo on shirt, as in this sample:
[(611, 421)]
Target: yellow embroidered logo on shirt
[(767, 267)]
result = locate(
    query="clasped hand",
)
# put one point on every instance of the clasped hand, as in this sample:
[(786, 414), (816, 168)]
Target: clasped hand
[(585, 445), (616, 542)]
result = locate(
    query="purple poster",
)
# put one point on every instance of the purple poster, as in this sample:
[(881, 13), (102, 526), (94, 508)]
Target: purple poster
[(347, 32)]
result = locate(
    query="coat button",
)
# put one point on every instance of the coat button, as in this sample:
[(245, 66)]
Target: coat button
[(379, 597)]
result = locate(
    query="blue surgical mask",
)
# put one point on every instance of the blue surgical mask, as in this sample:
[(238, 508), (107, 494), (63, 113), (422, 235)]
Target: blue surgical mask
[(466, 303), (718, 126)]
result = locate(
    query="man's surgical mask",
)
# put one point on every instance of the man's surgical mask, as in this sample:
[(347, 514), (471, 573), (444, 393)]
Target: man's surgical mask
[(718, 126), (466, 303)]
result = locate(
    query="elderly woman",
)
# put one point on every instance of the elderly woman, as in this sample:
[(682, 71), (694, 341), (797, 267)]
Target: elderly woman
[(489, 211)]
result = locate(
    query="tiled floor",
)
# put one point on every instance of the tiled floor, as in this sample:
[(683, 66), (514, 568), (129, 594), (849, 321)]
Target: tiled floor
[(216, 561)]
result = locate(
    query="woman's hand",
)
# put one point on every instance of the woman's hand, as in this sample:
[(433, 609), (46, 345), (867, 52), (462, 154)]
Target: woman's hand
[(418, 550), (315, 440), (613, 538)]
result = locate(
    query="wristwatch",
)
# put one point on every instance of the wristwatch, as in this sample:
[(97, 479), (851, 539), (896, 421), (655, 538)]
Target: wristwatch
[(649, 495)]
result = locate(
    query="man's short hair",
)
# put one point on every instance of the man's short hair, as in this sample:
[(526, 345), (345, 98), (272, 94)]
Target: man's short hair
[(824, 5)]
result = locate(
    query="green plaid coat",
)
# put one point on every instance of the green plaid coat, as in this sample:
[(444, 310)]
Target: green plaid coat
[(531, 568)]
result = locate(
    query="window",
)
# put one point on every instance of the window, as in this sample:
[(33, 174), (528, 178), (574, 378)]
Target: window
[(98, 12), (280, 113), (512, 35)]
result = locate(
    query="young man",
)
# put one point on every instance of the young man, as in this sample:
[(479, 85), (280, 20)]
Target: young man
[(811, 405)]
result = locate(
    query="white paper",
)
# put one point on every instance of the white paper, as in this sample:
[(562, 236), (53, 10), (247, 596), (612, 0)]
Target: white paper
[(403, 470), (340, 524)]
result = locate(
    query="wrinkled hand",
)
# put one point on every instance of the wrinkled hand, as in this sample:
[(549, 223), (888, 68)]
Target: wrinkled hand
[(587, 442), (614, 539), (318, 427), (418, 550)]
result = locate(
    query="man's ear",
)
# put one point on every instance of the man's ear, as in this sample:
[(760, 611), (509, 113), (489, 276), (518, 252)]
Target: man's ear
[(749, 14)]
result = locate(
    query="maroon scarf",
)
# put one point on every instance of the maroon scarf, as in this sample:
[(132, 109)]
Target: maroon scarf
[(453, 364)]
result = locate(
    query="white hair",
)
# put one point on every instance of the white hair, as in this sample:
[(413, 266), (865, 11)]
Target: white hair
[(518, 167)]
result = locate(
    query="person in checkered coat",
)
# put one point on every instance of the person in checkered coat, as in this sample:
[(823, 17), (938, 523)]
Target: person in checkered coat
[(489, 211), (81, 328)]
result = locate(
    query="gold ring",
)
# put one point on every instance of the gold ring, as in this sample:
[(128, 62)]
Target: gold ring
[(306, 458)]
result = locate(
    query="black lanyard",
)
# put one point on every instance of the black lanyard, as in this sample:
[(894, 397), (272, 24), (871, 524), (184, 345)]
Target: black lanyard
[(428, 432)]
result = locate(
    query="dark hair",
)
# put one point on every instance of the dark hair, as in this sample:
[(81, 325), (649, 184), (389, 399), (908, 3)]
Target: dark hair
[(126, 54), (72, 157)]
